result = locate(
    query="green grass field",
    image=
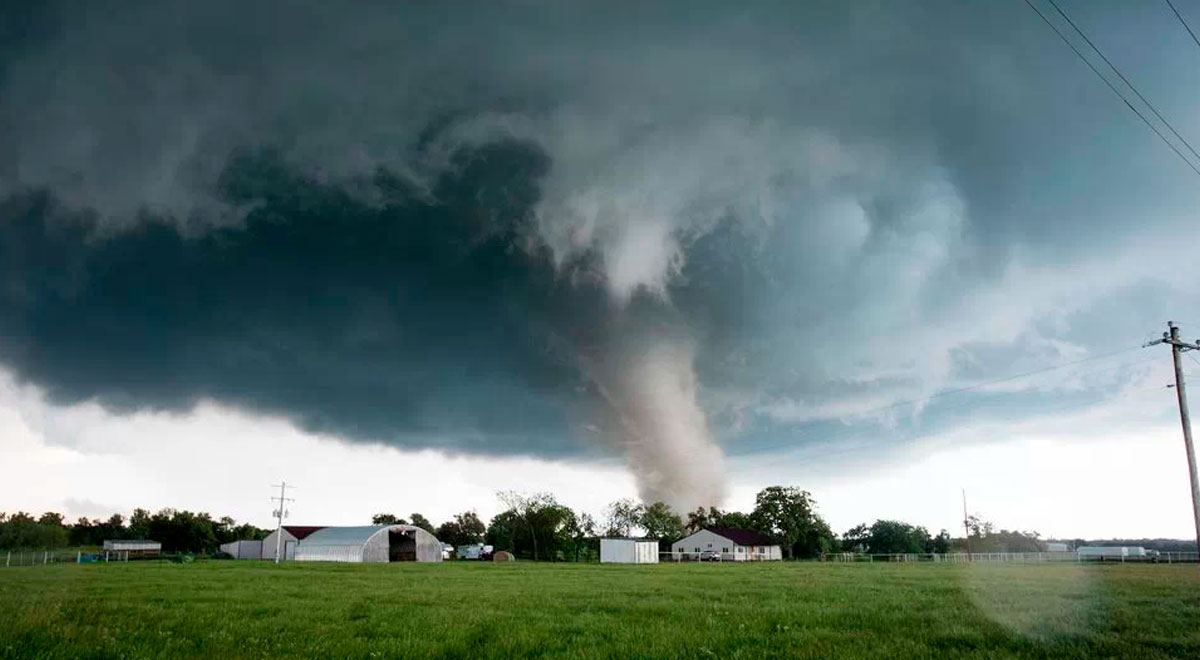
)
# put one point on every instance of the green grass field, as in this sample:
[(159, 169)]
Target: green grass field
[(234, 610)]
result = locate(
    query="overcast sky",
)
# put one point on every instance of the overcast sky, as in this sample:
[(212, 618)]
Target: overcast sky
[(405, 255)]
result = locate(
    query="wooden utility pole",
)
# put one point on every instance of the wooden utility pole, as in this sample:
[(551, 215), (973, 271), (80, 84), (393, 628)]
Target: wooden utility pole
[(1177, 347)]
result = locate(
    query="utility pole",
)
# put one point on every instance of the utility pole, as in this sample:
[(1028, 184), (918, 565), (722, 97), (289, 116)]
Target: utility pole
[(280, 513), (966, 524), (1177, 347)]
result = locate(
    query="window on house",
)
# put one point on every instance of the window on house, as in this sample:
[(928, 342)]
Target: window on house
[(725, 550), (697, 548)]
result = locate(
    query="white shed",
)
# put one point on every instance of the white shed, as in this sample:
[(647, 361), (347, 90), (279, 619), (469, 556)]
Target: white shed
[(369, 544), (137, 546), (628, 551), (244, 549)]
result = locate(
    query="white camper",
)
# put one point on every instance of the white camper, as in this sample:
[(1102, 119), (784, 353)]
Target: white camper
[(628, 551), (474, 551), (1111, 552)]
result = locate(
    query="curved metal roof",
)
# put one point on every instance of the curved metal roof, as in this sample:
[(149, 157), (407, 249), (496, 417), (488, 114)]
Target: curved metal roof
[(352, 535)]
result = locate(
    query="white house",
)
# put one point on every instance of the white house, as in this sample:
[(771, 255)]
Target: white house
[(726, 544), (628, 551)]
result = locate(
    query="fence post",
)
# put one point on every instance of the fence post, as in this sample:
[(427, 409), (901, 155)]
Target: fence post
[(8, 559)]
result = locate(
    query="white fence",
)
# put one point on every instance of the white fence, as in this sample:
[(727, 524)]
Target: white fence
[(714, 556), (14, 558), (1016, 557)]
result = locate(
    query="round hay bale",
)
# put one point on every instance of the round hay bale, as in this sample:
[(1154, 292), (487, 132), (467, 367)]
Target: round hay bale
[(503, 555)]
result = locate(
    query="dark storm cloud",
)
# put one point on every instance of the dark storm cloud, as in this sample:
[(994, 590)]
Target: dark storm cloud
[(416, 321), (490, 226)]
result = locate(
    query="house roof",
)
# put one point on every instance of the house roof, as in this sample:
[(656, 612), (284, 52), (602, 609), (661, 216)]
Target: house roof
[(741, 536), (301, 531)]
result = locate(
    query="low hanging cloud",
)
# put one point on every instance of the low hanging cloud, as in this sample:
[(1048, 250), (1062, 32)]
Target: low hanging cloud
[(506, 228)]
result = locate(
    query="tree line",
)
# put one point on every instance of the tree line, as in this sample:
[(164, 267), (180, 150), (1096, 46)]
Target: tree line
[(537, 526), (177, 530)]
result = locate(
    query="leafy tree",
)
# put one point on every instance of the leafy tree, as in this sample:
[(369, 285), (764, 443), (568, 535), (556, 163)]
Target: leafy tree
[(857, 538), (941, 542), (139, 524), (503, 529), (387, 519), (698, 520), (51, 518), (787, 515), (621, 517), (660, 522), (22, 531), (581, 530), (421, 521), (81, 532), (734, 519), (535, 525), (183, 531), (894, 537), (466, 528), (714, 517)]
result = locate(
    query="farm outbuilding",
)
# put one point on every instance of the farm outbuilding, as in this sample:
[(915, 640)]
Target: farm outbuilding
[(369, 544), (628, 551), (243, 549), (726, 544), (292, 535), (133, 547)]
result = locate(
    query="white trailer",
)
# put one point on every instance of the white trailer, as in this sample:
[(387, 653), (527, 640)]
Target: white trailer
[(628, 551), (474, 551), (1111, 552)]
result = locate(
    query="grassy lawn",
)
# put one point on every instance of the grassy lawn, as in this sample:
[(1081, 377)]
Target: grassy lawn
[(235, 610)]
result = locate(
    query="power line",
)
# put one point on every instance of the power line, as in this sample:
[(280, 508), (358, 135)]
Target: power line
[(1120, 75), (1112, 87), (1183, 22)]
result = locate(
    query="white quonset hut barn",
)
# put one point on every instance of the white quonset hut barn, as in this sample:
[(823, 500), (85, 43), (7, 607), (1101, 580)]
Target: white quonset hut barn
[(369, 544), (628, 551), (726, 544)]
